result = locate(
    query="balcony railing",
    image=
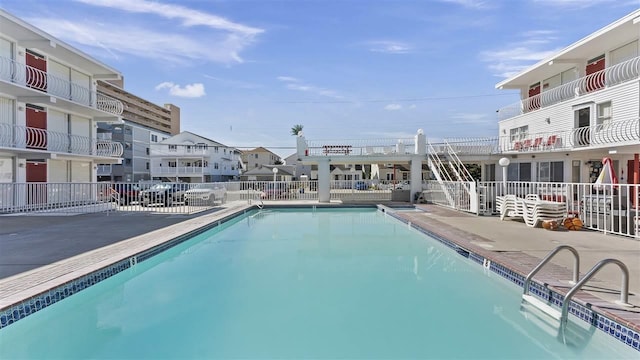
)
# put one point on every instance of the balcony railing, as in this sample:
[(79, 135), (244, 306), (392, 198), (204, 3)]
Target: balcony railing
[(180, 170), (367, 147), (612, 133), (468, 146), (614, 75), (24, 137), (25, 75)]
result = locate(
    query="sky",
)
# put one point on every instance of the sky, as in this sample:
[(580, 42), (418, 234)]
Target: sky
[(244, 72)]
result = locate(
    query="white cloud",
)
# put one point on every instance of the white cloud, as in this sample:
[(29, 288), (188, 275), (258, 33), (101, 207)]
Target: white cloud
[(188, 16), (141, 36), (195, 90), (471, 4), (578, 4), (393, 107), (389, 47), (287, 79), (516, 56), (469, 118), (297, 85), (158, 46)]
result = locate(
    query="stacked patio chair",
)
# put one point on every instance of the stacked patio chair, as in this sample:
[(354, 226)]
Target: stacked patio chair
[(507, 206), (531, 209), (535, 210)]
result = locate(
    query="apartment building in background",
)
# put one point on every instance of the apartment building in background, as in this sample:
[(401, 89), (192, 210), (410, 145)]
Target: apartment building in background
[(191, 158), (145, 123)]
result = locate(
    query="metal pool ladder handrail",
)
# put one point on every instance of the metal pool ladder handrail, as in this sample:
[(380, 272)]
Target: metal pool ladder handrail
[(624, 292), (576, 266)]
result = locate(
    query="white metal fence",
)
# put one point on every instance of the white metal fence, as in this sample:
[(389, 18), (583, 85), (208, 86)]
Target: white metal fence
[(182, 198), (607, 208)]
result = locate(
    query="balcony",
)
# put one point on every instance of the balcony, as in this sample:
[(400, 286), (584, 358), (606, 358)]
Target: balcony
[(180, 170), (181, 151), (619, 133), (34, 140), (598, 81), (28, 78)]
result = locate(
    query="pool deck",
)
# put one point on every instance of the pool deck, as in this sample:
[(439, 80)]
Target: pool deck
[(38, 253)]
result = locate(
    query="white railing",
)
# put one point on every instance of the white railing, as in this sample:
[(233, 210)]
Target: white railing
[(55, 197), (180, 151), (23, 137), (24, 75), (609, 208), (452, 194), (617, 74), (468, 146), (109, 104), (180, 170), (390, 147), (612, 133)]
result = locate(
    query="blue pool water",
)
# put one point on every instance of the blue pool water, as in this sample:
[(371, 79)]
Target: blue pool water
[(347, 283)]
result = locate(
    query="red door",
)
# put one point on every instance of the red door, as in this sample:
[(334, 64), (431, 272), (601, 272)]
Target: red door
[(36, 128), (36, 71), (534, 101), (633, 174), (36, 182), (595, 75)]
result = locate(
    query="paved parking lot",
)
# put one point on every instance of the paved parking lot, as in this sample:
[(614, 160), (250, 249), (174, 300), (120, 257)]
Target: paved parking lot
[(27, 242)]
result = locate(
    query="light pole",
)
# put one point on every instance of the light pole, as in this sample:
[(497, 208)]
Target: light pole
[(275, 172), (504, 162)]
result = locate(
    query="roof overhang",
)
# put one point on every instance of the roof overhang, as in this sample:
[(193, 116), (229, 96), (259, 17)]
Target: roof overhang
[(616, 34), (29, 36)]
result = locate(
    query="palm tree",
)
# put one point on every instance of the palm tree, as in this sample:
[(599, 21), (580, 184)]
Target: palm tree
[(296, 129)]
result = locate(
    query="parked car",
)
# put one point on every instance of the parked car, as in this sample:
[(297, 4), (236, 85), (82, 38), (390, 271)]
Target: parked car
[(165, 193), (361, 185), (275, 191), (205, 194), (402, 186), (127, 193)]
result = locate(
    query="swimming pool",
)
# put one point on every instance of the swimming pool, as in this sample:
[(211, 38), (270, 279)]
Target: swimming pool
[(329, 283)]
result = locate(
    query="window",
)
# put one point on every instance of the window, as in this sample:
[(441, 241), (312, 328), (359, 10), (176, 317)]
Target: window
[(604, 113), (215, 166), (172, 164), (550, 171), (256, 155), (147, 165), (624, 53), (147, 151), (154, 138), (215, 149), (519, 133), (519, 172), (173, 148)]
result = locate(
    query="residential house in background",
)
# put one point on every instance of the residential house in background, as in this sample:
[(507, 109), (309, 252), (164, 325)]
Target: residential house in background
[(577, 106), (50, 108), (266, 173), (300, 168), (259, 156), (191, 158), (145, 123)]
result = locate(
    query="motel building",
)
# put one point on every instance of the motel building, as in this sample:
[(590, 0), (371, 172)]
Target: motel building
[(49, 113)]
